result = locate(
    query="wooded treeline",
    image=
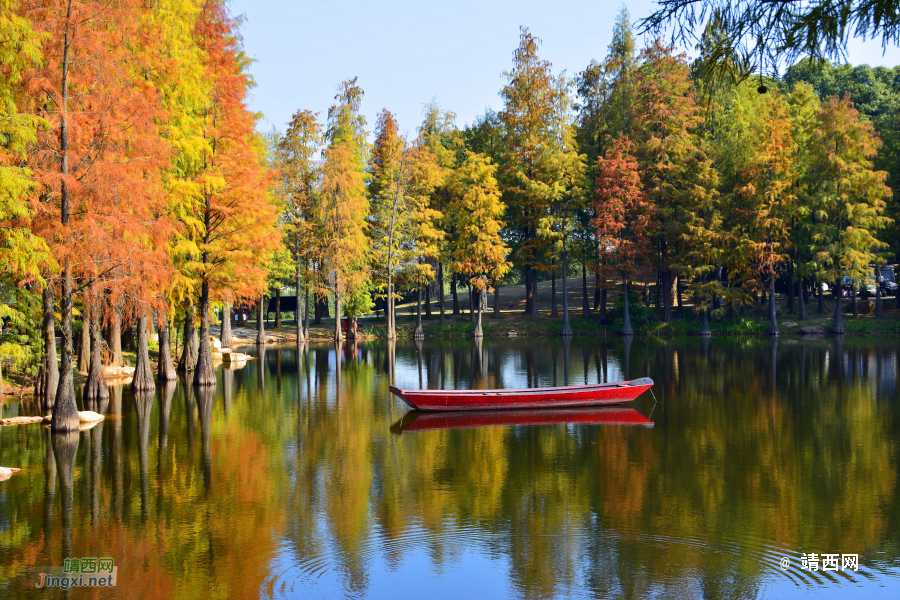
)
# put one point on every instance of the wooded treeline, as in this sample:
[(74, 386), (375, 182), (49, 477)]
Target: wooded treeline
[(135, 187), (621, 170)]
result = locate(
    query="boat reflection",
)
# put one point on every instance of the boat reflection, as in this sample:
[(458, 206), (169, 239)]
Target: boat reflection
[(421, 421)]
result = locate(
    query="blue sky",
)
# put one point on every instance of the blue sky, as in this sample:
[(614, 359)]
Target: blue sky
[(405, 53)]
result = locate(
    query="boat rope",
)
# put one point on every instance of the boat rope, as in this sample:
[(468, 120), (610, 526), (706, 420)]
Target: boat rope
[(655, 402)]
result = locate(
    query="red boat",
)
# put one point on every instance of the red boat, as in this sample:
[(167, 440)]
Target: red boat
[(420, 421), (555, 397)]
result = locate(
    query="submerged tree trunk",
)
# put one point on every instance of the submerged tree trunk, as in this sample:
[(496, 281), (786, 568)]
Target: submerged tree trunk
[(143, 374), (188, 356), (165, 369), (419, 333), (260, 317), (204, 373), (95, 388), (51, 367), (837, 327), (626, 318)]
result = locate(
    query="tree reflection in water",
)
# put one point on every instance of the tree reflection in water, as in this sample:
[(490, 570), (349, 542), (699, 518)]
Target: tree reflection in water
[(759, 450)]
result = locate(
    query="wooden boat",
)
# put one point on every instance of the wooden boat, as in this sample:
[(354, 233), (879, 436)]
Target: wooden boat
[(553, 397), (416, 420)]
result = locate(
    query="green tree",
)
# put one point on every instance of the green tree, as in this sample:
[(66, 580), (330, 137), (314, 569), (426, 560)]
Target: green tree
[(848, 196), (479, 251), (299, 172)]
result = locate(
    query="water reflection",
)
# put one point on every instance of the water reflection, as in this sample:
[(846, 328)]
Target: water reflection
[(297, 486)]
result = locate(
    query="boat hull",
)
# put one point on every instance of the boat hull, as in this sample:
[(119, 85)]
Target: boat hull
[(558, 397), (611, 415)]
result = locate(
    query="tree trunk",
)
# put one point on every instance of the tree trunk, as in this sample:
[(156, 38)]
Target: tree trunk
[(529, 289), (626, 317), (773, 323), (306, 312), (496, 299), (678, 295), (603, 303), (455, 294), (821, 294), (95, 387), (419, 333), (51, 367), (115, 337), (428, 301), (143, 374), (188, 356), (585, 305), (471, 304), (877, 294), (225, 332), (801, 300), (478, 332), (165, 369), (534, 295), (298, 314), (598, 291), (390, 327), (667, 296), (65, 412), (84, 353), (337, 321), (204, 373), (260, 318), (790, 288), (554, 313), (705, 330), (277, 308), (855, 300), (441, 288), (837, 327), (566, 328)]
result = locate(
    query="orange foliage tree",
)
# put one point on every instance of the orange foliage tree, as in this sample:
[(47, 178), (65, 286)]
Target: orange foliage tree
[(233, 211), (97, 160)]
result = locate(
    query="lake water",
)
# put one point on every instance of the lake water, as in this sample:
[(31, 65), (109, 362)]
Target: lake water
[(297, 479)]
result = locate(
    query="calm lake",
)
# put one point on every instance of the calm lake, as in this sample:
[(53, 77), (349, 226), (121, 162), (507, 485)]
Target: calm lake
[(297, 478)]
